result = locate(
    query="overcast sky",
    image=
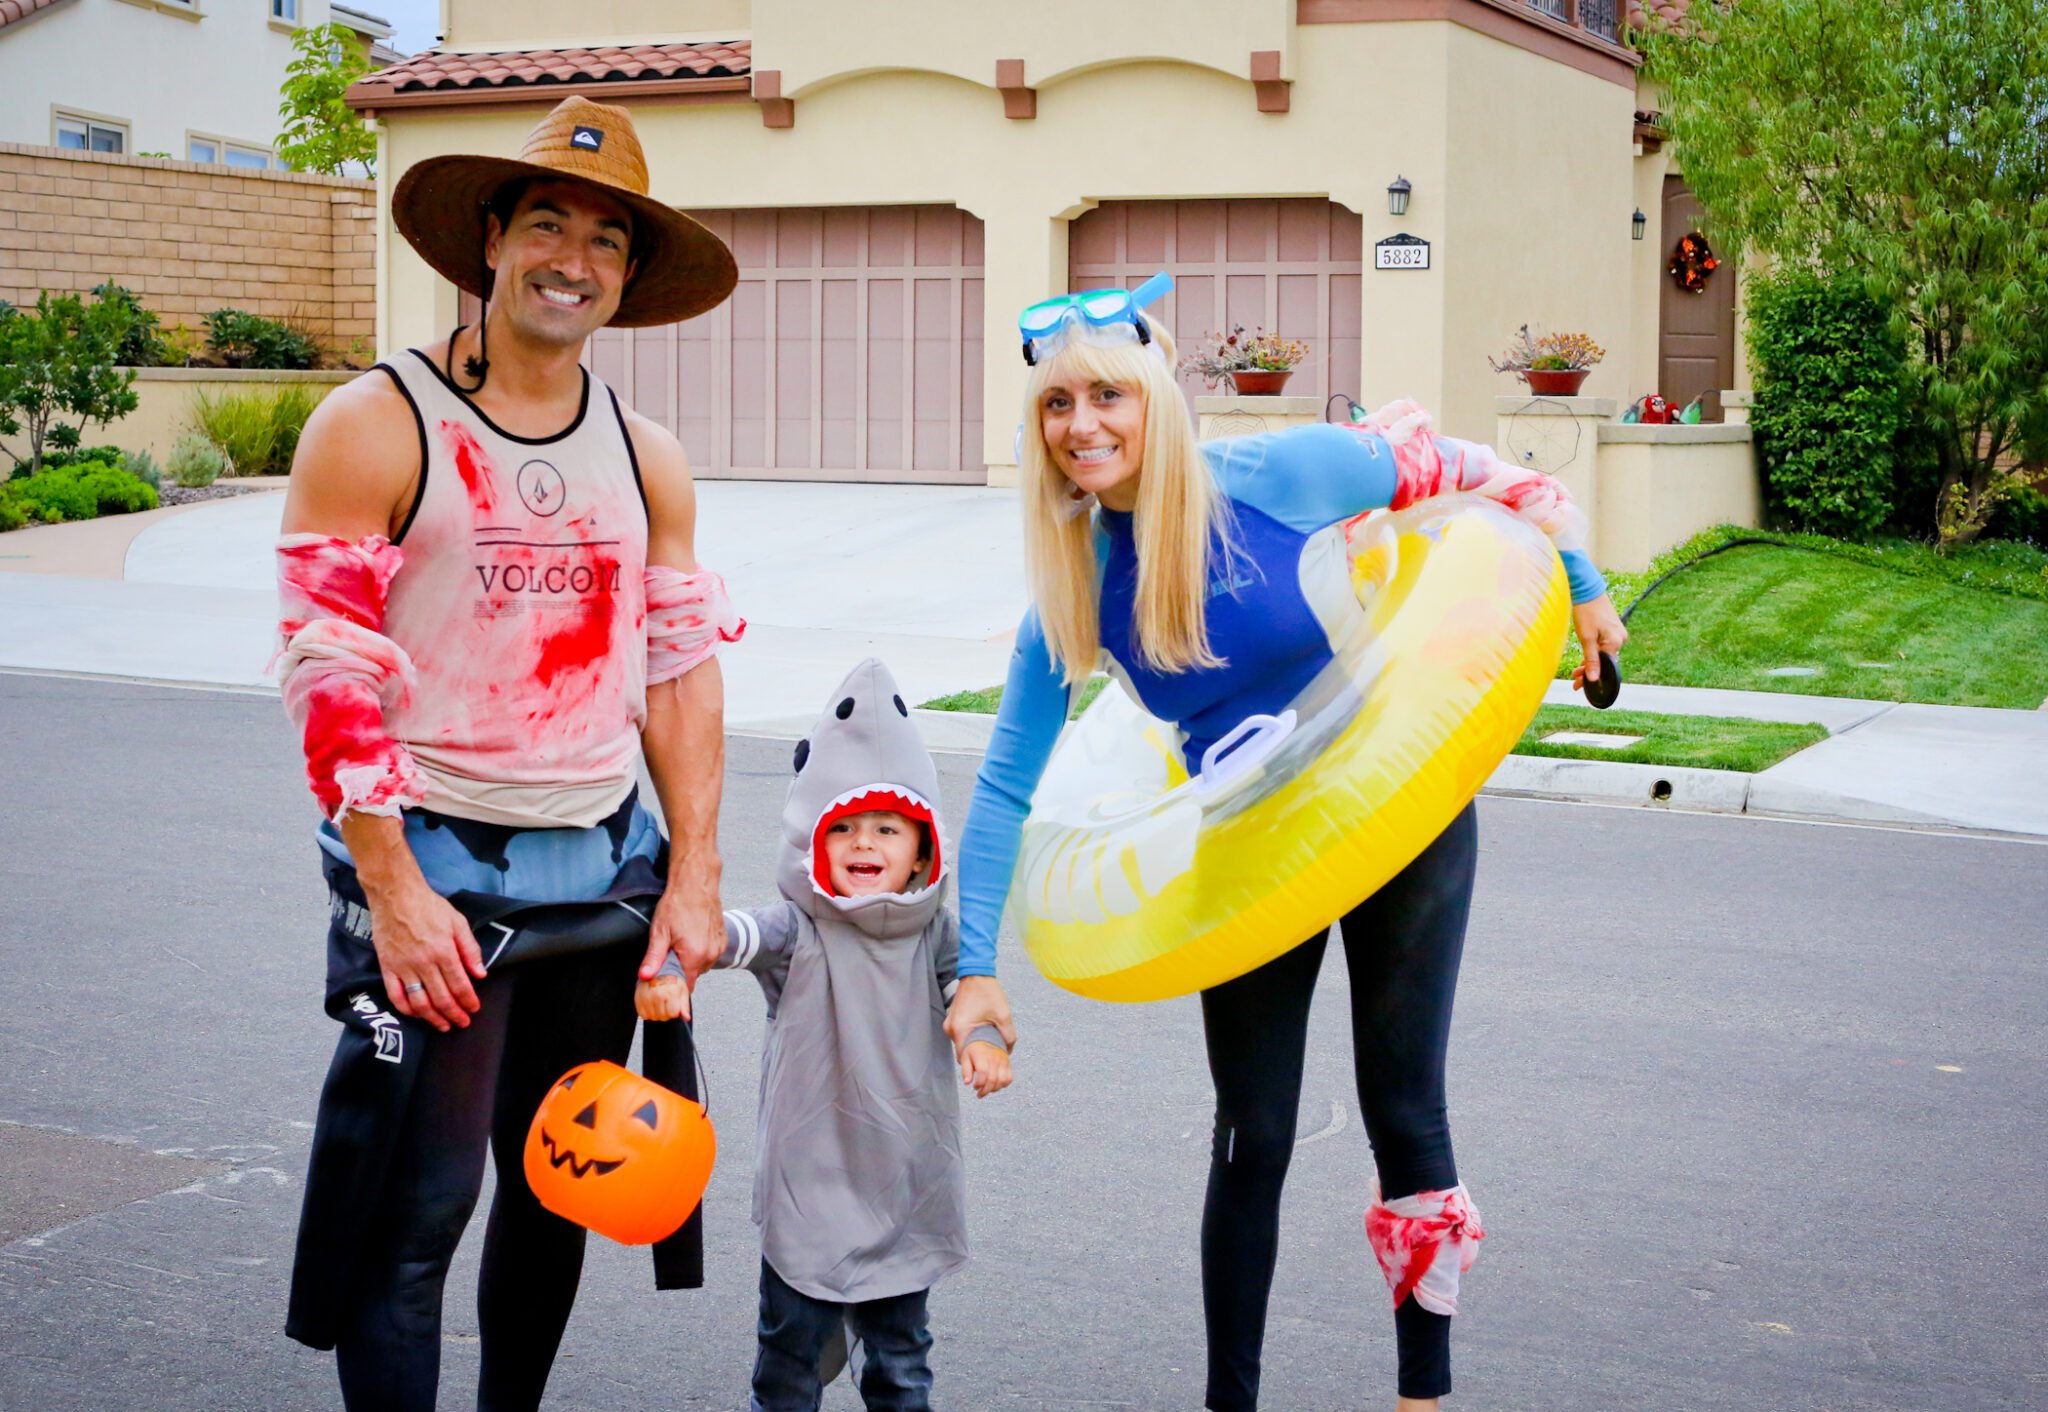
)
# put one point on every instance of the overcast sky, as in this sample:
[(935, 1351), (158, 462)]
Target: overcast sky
[(418, 22)]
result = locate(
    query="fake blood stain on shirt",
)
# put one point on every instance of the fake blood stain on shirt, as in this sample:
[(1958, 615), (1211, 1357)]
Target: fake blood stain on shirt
[(588, 637), (472, 465)]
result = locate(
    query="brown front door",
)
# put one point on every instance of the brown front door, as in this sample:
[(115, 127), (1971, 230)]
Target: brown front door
[(1291, 266), (1696, 342)]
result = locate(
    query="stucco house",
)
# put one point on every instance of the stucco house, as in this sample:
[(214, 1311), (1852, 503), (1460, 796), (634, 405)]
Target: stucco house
[(1400, 183), (193, 80)]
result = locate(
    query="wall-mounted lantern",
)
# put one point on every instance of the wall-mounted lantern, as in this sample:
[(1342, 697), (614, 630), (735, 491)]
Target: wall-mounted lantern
[(1397, 196), (1638, 224)]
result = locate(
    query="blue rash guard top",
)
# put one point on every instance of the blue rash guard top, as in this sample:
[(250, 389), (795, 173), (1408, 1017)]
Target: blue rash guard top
[(1280, 488)]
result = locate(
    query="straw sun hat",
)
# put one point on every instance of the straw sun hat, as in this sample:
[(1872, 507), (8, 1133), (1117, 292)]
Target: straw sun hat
[(683, 268)]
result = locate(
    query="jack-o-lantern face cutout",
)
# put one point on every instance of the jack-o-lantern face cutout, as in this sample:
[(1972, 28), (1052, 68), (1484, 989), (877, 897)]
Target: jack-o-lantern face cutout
[(619, 1154)]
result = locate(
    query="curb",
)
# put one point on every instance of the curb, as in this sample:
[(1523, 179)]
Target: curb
[(1679, 788)]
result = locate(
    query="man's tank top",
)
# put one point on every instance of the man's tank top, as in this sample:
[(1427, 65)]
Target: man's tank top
[(522, 605)]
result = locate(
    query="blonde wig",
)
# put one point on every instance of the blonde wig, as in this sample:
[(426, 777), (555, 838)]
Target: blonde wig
[(1178, 510)]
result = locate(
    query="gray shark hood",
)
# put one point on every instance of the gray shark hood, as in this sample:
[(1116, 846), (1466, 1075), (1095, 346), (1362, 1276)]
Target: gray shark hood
[(859, 1187), (863, 754)]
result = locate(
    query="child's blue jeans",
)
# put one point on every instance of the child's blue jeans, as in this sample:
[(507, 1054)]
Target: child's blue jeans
[(895, 1375)]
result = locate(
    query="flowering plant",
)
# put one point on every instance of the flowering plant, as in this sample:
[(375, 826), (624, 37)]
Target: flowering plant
[(1548, 352), (1241, 352)]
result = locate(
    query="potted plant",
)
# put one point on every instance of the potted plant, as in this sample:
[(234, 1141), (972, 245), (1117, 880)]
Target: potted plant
[(1553, 364), (1255, 364)]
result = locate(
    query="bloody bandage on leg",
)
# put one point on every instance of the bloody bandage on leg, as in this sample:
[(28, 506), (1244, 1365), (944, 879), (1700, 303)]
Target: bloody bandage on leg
[(339, 673), (1424, 1243), (688, 616), (1428, 465)]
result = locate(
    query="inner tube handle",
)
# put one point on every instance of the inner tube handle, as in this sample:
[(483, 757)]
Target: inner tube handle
[(1221, 763)]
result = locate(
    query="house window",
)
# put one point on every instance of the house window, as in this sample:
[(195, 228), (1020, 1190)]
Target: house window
[(90, 134), (202, 149), (287, 10), (255, 158)]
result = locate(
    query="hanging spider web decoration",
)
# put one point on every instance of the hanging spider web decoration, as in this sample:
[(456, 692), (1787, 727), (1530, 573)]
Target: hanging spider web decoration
[(1543, 442)]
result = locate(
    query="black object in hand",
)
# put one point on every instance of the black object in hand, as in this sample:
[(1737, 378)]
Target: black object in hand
[(1602, 693)]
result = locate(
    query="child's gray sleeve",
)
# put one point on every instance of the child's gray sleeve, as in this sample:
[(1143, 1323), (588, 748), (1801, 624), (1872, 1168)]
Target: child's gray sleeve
[(757, 939), (946, 961)]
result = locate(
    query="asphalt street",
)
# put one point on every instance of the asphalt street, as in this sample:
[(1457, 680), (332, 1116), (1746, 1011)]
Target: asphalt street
[(1752, 1109)]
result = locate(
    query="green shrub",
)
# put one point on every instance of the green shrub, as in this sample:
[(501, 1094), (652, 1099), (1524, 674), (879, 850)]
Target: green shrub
[(143, 345), (12, 516), (257, 430), (2021, 515), (83, 491), (144, 468), (1829, 407), (195, 461), (244, 340), (77, 455)]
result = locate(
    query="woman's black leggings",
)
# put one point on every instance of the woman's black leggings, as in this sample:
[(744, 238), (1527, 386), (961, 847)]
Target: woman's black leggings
[(538, 1020), (1402, 945)]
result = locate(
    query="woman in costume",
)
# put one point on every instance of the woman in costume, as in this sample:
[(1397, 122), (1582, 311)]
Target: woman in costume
[(1173, 566)]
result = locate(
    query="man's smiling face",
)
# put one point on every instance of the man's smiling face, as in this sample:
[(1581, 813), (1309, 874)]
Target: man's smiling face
[(562, 261)]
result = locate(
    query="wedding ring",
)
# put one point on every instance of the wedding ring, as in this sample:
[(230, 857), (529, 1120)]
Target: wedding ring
[(414, 987)]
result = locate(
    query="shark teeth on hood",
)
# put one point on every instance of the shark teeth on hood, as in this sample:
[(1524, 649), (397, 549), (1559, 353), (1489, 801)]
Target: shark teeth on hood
[(883, 793)]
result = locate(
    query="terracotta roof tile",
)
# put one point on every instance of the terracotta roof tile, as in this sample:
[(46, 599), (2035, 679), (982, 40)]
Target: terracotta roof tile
[(12, 10), (609, 64)]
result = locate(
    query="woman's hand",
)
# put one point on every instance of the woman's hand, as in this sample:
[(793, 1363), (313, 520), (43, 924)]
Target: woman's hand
[(979, 1001), (1600, 630)]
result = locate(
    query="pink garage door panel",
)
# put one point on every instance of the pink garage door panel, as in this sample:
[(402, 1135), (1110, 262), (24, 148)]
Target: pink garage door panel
[(1291, 266), (851, 350)]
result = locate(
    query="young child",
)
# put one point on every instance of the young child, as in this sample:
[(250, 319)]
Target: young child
[(859, 1190)]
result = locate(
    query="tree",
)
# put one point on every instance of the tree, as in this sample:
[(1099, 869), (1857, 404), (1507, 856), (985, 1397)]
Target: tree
[(321, 132), (58, 360), (1903, 143)]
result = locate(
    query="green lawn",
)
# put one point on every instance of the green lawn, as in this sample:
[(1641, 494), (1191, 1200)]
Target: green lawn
[(1868, 631), (988, 698), (1704, 742)]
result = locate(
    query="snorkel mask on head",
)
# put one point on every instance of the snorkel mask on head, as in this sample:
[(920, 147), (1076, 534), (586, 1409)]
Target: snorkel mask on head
[(1106, 317)]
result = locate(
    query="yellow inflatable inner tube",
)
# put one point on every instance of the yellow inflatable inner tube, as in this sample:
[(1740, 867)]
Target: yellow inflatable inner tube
[(1136, 882)]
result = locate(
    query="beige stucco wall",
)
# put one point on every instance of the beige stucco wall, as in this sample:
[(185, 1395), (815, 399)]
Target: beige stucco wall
[(1536, 218), (1528, 214), (486, 25), (163, 402), (808, 42), (164, 70), (1661, 485)]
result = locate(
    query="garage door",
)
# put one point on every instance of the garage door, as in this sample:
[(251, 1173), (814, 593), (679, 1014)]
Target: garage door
[(1291, 266), (851, 350)]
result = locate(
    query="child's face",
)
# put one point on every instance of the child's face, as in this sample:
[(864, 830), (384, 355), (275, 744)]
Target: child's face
[(872, 853)]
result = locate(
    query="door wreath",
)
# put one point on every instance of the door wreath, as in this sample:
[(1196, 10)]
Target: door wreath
[(1692, 262)]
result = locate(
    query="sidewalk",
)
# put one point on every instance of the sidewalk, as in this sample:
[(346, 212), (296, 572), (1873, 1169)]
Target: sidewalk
[(931, 580)]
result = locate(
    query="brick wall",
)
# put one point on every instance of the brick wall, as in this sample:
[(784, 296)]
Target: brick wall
[(191, 238)]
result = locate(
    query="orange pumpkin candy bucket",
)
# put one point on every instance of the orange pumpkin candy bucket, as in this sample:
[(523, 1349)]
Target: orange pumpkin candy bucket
[(619, 1154)]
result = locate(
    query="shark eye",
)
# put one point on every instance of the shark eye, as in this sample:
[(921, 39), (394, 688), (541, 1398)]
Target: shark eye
[(803, 755), (901, 709), (645, 1113), (844, 709), (587, 1118)]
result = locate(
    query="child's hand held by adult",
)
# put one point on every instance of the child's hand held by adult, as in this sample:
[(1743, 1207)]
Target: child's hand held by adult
[(985, 1068), (663, 998)]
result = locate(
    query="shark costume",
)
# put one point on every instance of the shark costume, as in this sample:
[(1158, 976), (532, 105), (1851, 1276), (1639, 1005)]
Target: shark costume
[(859, 1188)]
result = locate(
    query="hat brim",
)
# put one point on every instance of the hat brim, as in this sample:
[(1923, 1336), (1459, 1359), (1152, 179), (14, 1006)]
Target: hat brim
[(682, 270)]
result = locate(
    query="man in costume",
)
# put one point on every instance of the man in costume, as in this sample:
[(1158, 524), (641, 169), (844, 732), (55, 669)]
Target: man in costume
[(491, 606)]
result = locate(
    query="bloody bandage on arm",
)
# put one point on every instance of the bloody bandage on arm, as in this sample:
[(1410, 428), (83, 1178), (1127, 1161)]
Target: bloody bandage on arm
[(339, 673), (688, 616), (1429, 465)]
